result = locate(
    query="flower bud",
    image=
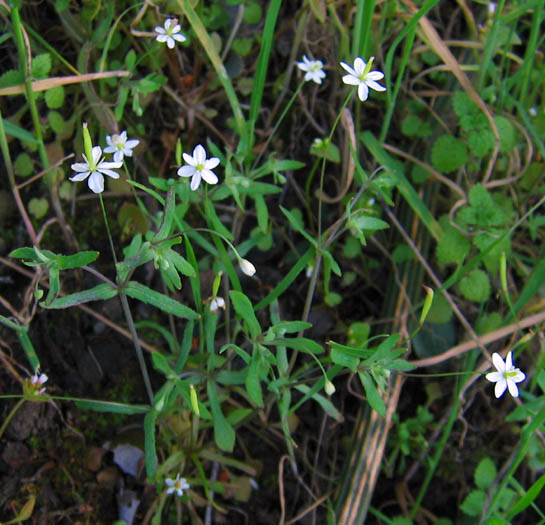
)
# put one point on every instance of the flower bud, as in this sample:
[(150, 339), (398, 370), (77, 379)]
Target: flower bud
[(329, 387), (247, 267)]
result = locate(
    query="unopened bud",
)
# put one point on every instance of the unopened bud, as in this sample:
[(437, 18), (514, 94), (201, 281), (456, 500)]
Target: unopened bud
[(247, 267), (329, 387)]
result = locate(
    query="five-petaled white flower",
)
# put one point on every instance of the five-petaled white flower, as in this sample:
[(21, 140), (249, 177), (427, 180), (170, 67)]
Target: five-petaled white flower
[(199, 167), (95, 170), (177, 485), (363, 78), (120, 146), (215, 303), (170, 33), (507, 376), (313, 69)]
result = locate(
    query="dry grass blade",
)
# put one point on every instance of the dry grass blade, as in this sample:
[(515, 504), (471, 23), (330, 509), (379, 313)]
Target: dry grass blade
[(449, 59), (48, 83)]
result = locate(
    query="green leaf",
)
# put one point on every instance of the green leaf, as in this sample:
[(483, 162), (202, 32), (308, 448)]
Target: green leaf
[(507, 133), (101, 292), (325, 403), (474, 503), (224, 433), (343, 358), (475, 286), (527, 499), (57, 122), (214, 220), (159, 300), (367, 222), (23, 165), (151, 83), (244, 308), (19, 133), (12, 77), (252, 13), (452, 247), (253, 383), (41, 65), (168, 217), (448, 154), (38, 207), (485, 473), (373, 396), (69, 262), (290, 327), (111, 406), (463, 105), (301, 344), (54, 97)]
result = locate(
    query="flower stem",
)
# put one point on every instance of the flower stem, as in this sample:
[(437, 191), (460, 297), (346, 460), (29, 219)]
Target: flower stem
[(10, 416), (278, 122), (137, 347), (107, 228)]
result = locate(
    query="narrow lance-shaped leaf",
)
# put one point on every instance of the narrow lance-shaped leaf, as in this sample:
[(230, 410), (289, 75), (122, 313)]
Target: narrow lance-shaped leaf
[(101, 292), (149, 444), (159, 300), (244, 308), (224, 433), (253, 383), (373, 396)]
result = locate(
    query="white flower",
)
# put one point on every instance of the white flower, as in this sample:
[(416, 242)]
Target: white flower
[(247, 267), (215, 303), (95, 171), (507, 376), (199, 166), (313, 69), (170, 32), (177, 485), (120, 146), (363, 78)]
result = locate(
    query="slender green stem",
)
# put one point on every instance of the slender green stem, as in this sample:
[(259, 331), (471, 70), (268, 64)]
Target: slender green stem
[(278, 122), (137, 347), (107, 227), (10, 416)]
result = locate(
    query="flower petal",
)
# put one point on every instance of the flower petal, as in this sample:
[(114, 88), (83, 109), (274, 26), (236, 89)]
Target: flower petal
[(186, 171), (80, 176), (211, 163), (110, 173), (209, 176), (189, 159), (96, 182), (170, 42), (509, 361), (375, 85), (161, 38), (97, 153), (80, 166), (351, 80), (494, 377), (363, 91), (501, 385), (195, 181), (498, 362), (513, 389), (132, 143), (375, 75), (199, 154), (347, 68), (359, 66)]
